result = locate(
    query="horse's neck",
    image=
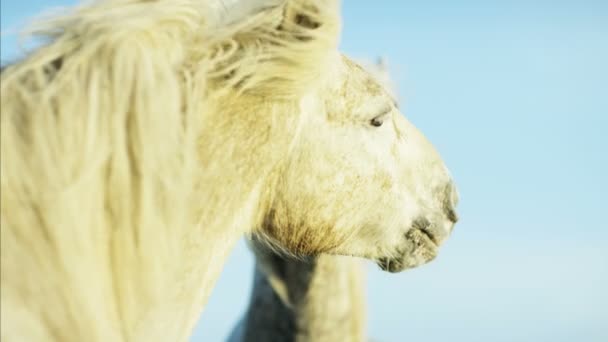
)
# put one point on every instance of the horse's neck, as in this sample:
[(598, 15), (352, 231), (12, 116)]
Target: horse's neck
[(205, 251), (331, 308), (324, 302), (190, 293)]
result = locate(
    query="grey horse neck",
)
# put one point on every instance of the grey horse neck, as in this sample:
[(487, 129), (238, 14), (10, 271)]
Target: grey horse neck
[(320, 299)]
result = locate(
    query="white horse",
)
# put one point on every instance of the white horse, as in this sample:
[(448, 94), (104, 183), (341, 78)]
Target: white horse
[(317, 299), (144, 139)]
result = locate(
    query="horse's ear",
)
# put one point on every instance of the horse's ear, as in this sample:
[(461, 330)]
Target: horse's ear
[(280, 51)]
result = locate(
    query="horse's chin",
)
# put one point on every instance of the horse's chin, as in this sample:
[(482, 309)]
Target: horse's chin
[(419, 248)]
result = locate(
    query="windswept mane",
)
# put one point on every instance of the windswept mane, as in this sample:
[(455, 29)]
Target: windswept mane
[(100, 150)]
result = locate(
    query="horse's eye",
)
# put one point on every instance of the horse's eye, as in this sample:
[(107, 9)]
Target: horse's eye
[(377, 121)]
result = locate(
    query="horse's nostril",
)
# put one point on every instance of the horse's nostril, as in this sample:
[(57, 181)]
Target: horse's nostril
[(451, 215), (450, 201)]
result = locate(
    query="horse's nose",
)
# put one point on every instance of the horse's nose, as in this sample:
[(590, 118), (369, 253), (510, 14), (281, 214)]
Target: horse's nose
[(450, 202)]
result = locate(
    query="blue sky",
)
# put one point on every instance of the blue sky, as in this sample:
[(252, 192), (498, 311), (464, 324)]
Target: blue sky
[(514, 94)]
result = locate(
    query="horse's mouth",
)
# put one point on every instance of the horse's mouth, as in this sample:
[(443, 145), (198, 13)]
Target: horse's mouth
[(420, 247), (423, 226), (432, 238)]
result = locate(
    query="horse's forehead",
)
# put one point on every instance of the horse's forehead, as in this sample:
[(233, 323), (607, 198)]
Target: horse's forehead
[(360, 80), (355, 93)]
